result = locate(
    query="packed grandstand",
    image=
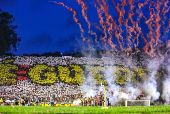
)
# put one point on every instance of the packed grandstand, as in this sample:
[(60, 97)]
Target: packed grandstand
[(65, 79)]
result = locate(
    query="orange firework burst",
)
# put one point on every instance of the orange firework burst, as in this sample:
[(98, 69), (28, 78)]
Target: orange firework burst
[(128, 23)]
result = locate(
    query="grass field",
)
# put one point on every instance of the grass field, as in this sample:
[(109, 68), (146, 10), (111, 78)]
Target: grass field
[(81, 109)]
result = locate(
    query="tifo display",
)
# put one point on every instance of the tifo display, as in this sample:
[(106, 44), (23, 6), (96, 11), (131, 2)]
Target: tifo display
[(68, 85), (71, 74)]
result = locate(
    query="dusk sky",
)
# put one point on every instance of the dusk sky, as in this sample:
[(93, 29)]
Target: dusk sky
[(43, 26), (48, 27)]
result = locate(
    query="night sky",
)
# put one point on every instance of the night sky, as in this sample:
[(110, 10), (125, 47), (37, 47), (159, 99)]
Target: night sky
[(43, 26), (48, 27)]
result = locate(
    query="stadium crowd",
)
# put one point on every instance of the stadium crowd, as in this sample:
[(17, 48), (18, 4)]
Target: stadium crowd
[(34, 99), (65, 60), (62, 92)]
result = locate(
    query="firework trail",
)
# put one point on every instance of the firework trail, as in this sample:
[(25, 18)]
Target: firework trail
[(84, 13), (74, 17), (121, 15), (128, 23)]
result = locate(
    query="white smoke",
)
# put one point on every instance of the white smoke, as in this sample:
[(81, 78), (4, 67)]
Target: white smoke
[(110, 78), (149, 87), (89, 89), (166, 87), (166, 91), (131, 92), (150, 90)]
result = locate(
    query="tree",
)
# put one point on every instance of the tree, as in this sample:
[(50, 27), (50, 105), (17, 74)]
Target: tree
[(8, 36), (57, 54), (47, 54)]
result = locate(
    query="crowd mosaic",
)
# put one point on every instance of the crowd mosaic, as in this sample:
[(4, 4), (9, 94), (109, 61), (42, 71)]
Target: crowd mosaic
[(44, 73)]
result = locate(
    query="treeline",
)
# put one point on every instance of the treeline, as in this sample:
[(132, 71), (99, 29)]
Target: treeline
[(47, 54), (83, 53), (137, 53)]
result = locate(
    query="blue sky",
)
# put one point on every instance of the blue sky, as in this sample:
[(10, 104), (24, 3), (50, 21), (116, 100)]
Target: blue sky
[(48, 27), (43, 26)]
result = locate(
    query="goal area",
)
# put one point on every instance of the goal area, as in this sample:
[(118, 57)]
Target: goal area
[(137, 103)]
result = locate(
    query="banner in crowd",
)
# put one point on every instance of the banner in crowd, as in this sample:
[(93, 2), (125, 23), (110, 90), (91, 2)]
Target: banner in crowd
[(45, 74), (49, 104)]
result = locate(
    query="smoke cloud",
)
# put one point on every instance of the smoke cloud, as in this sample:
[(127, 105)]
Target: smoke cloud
[(149, 87)]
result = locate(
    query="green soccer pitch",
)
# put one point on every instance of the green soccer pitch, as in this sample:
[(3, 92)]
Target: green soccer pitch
[(84, 109)]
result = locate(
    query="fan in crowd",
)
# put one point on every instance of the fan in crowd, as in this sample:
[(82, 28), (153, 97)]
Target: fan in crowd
[(87, 101)]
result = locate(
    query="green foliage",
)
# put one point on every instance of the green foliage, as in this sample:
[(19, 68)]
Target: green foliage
[(8, 36)]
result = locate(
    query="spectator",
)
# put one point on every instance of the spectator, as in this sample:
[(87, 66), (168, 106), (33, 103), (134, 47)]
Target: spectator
[(16, 100), (37, 100), (8, 101), (26, 101), (52, 100), (109, 104), (1, 100), (22, 101)]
